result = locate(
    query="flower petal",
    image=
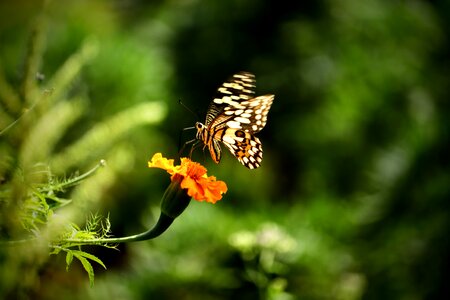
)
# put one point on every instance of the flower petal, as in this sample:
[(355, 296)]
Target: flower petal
[(195, 170), (194, 189), (213, 189), (204, 189), (193, 178), (158, 161)]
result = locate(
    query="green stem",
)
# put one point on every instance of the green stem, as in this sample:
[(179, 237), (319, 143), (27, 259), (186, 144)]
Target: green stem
[(72, 181), (175, 201), (163, 223)]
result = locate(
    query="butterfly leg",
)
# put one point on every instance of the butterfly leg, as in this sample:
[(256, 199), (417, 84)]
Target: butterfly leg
[(180, 138), (194, 145), (181, 149)]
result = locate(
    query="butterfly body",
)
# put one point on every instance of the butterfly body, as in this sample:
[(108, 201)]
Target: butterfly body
[(233, 118)]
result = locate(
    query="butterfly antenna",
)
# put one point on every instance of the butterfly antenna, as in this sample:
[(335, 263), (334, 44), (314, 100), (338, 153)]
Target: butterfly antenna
[(188, 109), (193, 141)]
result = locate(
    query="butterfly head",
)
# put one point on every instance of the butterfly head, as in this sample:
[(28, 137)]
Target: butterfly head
[(200, 129)]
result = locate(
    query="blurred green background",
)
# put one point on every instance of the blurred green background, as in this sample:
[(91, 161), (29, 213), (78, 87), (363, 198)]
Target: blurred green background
[(351, 200)]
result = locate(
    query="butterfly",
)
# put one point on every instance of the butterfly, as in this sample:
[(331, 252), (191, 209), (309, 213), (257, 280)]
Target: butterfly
[(233, 118)]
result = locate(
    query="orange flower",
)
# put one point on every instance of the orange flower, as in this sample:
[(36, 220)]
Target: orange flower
[(193, 178)]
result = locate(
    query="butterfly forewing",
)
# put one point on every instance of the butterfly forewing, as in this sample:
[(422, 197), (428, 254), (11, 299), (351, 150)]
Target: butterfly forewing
[(238, 88), (233, 117), (253, 117)]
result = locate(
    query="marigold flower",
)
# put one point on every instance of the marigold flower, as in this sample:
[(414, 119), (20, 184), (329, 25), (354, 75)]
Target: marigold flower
[(192, 177)]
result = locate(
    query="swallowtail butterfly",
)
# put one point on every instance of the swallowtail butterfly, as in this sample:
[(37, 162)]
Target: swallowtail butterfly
[(233, 118)]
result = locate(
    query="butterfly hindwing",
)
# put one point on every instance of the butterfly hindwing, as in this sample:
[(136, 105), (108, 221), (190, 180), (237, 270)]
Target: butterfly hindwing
[(244, 146)]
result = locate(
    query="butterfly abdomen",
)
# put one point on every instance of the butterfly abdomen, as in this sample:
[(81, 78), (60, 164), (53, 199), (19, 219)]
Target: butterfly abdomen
[(207, 137)]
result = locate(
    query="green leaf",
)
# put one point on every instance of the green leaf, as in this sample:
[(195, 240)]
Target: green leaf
[(83, 258), (90, 256), (55, 251), (69, 258), (87, 266)]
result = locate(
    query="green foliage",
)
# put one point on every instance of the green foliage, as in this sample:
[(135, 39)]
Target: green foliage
[(95, 229), (40, 205), (266, 254)]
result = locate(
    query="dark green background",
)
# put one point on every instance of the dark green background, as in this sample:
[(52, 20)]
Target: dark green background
[(356, 150)]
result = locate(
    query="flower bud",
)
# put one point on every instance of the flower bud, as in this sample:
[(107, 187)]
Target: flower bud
[(175, 199)]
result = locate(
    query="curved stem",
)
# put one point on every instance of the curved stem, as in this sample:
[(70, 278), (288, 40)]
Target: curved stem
[(161, 225)]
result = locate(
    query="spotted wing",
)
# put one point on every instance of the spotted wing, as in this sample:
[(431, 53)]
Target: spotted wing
[(240, 87), (249, 115), (235, 128), (244, 146)]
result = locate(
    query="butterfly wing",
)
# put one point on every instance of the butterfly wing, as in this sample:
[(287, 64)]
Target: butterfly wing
[(244, 146), (251, 115), (240, 87)]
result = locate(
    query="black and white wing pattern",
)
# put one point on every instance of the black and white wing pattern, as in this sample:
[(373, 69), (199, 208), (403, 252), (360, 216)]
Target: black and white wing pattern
[(233, 117)]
